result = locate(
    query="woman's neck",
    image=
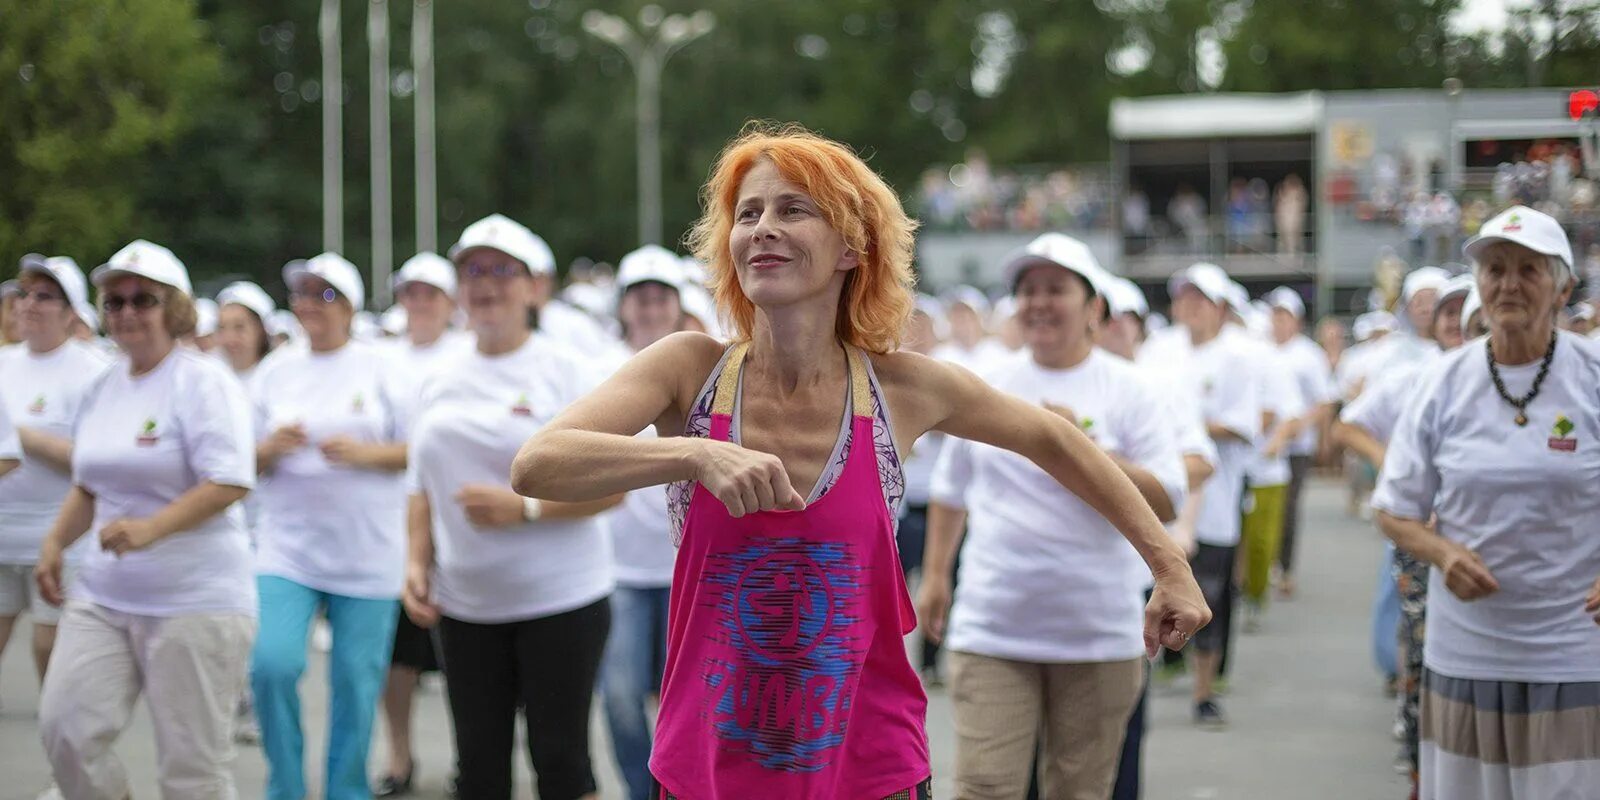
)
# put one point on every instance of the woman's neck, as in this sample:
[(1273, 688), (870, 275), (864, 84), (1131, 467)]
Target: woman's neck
[(496, 342), (795, 347), (1064, 356), (144, 359), (328, 343), (1521, 345), (50, 345)]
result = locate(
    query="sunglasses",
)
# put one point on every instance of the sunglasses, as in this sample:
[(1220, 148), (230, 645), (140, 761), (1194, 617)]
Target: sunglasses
[(38, 296), (141, 301), (503, 270), (327, 296)]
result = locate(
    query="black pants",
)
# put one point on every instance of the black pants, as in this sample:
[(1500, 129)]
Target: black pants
[(1299, 467), (547, 668), (912, 539)]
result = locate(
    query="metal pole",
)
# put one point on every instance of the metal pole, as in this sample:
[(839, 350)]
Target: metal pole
[(426, 165), (648, 69), (382, 206), (332, 135)]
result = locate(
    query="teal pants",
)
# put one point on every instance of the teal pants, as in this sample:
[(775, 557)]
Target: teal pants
[(363, 637)]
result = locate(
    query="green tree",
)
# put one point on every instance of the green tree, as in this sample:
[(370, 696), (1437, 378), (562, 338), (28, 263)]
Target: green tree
[(88, 90)]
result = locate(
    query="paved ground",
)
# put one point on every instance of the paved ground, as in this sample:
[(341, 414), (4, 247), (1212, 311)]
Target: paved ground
[(1308, 719)]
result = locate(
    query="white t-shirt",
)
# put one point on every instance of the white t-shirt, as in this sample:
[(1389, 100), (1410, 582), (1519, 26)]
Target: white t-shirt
[(981, 358), (573, 328), (10, 445), (41, 391), (919, 465), (1355, 367), (478, 413), (1281, 395), (1380, 407), (1309, 365), (1524, 498), (138, 444), (1043, 576), (335, 529), (1229, 394), (418, 363)]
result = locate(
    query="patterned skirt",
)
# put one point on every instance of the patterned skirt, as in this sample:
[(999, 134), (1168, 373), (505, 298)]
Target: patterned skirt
[(1503, 740)]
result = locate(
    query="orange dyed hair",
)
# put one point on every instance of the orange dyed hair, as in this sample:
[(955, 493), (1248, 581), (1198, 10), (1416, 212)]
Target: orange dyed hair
[(878, 294)]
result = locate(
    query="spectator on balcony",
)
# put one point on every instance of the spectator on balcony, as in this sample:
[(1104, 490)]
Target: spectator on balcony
[(1289, 212), (1187, 212)]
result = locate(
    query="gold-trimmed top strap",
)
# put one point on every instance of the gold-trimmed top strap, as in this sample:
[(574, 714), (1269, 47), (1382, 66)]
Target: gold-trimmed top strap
[(860, 385), (728, 382)]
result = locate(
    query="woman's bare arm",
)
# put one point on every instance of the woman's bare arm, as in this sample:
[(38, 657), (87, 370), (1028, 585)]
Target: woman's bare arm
[(589, 451)]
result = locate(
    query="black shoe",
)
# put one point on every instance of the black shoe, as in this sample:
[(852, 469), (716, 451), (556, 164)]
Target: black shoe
[(1207, 714), (393, 786)]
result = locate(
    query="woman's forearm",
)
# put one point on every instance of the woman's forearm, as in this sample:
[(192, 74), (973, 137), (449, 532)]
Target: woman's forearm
[(945, 526), (1149, 487), (419, 531), (194, 507), (573, 465), (44, 448), (1086, 471), (1414, 537), (1355, 437), (72, 521)]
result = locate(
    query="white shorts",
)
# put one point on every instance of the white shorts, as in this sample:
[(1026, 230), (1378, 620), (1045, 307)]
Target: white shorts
[(19, 592)]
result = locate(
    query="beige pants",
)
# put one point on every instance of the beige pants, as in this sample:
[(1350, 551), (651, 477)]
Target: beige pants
[(192, 671), (1076, 713)]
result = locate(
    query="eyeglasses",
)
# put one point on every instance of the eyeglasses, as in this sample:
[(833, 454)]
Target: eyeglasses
[(327, 296), (38, 296), (501, 270), (141, 301)]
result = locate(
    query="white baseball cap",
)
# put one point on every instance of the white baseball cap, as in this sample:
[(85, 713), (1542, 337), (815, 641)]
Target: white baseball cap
[(650, 264), (1459, 286), (283, 322), (146, 260), (930, 306), (697, 303), (1238, 297), (65, 272), (1209, 278), (1473, 305), (395, 320), (1532, 229), (205, 316), (1287, 299), (1372, 322), (429, 268), (1060, 250), (967, 296), (1422, 279), (333, 268), (1125, 297), (499, 232), (693, 271), (248, 295)]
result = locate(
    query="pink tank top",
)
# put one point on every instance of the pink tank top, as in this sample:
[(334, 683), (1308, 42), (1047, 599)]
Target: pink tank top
[(787, 675)]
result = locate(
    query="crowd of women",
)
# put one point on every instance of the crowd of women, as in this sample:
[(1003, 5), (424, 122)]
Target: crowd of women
[(707, 501)]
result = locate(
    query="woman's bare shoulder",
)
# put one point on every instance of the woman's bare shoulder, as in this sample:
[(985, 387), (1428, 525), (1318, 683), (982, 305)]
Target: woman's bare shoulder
[(917, 388)]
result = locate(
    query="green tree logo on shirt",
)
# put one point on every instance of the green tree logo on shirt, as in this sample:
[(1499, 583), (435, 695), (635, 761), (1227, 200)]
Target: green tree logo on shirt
[(359, 404), (147, 434), (1563, 427), (1086, 424), (521, 407), (37, 406)]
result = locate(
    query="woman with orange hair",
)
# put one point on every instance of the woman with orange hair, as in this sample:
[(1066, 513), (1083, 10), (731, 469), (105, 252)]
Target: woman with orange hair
[(786, 673)]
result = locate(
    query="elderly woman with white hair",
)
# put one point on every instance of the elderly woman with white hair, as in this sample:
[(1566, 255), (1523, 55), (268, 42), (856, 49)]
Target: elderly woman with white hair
[(1497, 449)]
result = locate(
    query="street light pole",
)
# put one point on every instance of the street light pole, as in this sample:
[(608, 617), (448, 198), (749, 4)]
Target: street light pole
[(426, 165), (332, 135), (647, 49), (382, 202)]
